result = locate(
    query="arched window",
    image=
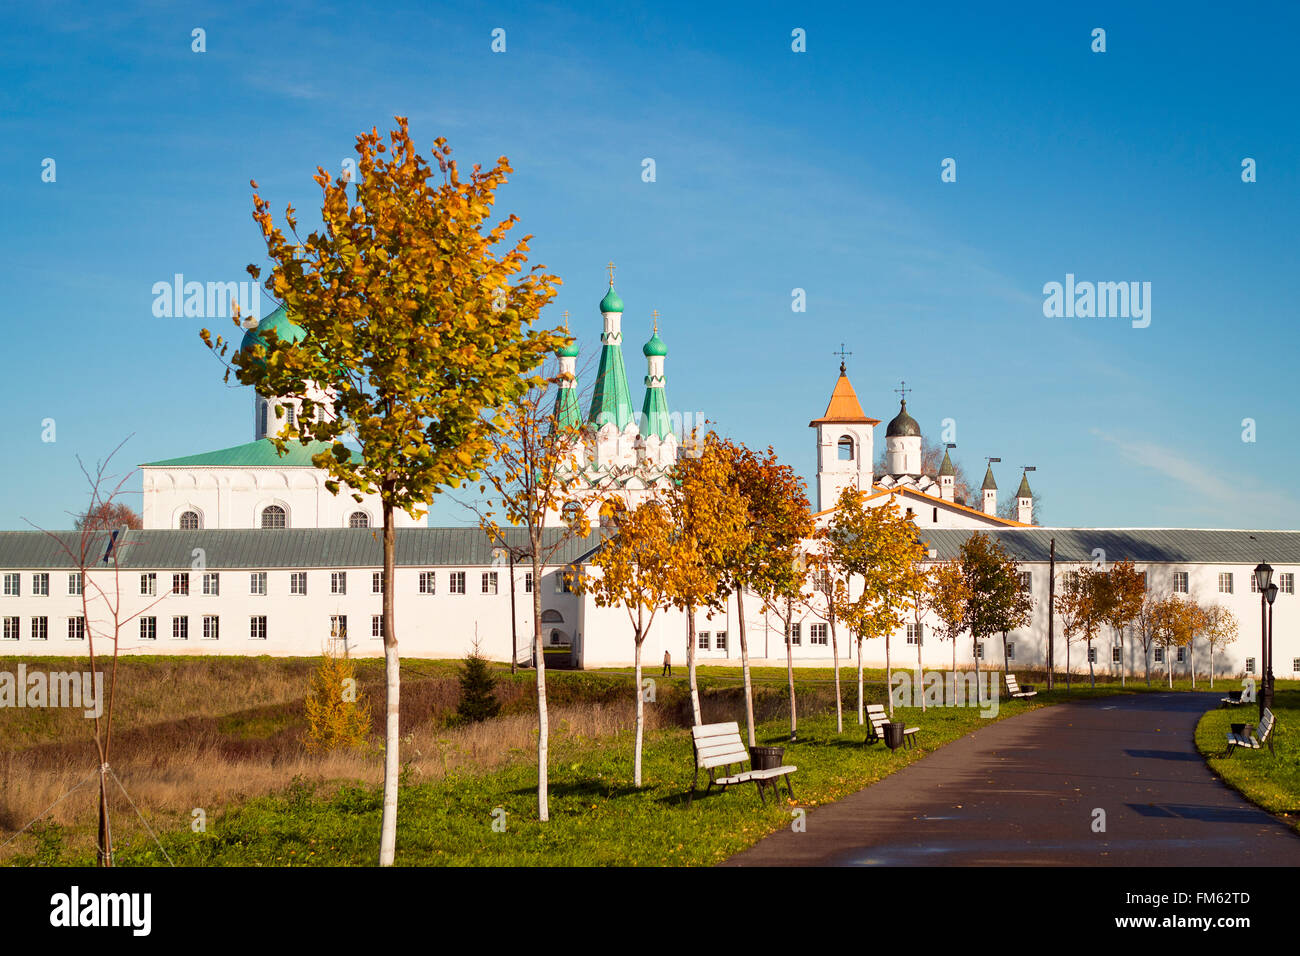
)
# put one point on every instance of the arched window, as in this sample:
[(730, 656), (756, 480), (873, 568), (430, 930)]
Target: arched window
[(273, 516), (571, 512), (846, 448), (190, 521), (358, 519), (551, 616)]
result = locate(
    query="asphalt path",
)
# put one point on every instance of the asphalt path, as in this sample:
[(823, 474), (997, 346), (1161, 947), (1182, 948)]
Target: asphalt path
[(1025, 791)]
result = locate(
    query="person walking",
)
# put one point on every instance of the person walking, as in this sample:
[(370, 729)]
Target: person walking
[(668, 665)]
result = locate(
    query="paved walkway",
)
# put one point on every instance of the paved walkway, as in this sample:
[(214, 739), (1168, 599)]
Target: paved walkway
[(1022, 792)]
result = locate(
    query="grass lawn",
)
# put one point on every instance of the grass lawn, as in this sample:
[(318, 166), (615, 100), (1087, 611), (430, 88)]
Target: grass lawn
[(1271, 781), (597, 817)]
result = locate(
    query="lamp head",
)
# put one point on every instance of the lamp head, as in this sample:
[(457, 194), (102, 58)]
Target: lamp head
[(1263, 577), (1271, 594)]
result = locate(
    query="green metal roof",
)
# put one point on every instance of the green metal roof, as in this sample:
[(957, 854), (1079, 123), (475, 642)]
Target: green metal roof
[(946, 468), (655, 419), (568, 412), (255, 454), (989, 483), (1141, 545), (1023, 491), (285, 329), (612, 400), (279, 548)]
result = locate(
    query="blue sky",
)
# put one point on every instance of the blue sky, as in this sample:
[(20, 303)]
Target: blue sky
[(775, 170)]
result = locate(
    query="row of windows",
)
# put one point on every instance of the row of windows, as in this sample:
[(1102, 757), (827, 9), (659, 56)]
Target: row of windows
[(719, 640), (210, 627), (489, 583), (272, 516), (817, 635)]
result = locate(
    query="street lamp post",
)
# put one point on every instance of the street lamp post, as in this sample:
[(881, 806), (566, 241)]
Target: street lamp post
[(1263, 578), (1271, 594)]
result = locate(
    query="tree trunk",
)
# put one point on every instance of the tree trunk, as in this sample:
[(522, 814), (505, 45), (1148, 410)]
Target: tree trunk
[(392, 711), (1211, 665), (690, 664), (1169, 661), (543, 718), (1123, 661), (640, 706), (1068, 670), (975, 653), (1005, 665), (1191, 660), (744, 665), (862, 710), (1092, 671), (835, 654), (920, 667), (789, 667), (889, 679)]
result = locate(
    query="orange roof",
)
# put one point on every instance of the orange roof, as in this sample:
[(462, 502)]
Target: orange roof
[(844, 406)]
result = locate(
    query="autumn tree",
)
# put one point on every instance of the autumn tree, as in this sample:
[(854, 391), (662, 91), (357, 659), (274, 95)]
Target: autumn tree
[(1146, 627), (1073, 607), (778, 519), (829, 590), (710, 524), (879, 546), (1176, 620), (1126, 588), (533, 482), (415, 323), (337, 719), (996, 603), (1095, 608), (947, 599), (109, 516), (919, 600), (633, 569), (1220, 630)]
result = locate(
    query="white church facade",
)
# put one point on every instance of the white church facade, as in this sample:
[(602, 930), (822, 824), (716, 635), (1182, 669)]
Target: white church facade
[(244, 552)]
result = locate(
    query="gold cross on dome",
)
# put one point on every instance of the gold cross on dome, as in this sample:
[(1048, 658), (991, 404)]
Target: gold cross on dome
[(566, 320), (610, 267), (655, 314)]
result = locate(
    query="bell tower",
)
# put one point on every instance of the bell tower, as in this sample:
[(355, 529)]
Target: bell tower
[(844, 442)]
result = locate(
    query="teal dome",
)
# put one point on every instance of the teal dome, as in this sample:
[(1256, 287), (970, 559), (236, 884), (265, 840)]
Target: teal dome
[(611, 302), (569, 351), (655, 346), (285, 329)]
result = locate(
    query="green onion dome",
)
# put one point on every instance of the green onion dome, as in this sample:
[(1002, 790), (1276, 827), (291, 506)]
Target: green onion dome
[(285, 329), (655, 346), (611, 302)]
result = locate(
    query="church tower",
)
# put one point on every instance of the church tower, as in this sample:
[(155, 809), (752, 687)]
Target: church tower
[(658, 442), (266, 423), (567, 411), (903, 444), (844, 439), (612, 417), (947, 479), (989, 492), (1024, 501)]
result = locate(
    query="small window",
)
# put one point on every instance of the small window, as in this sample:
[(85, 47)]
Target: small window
[(1225, 582), (1295, 664), (702, 640), (1285, 583), (456, 584), (1026, 580), (273, 516), (1250, 665), (1011, 650), (181, 583), (189, 521), (979, 650), (489, 582), (76, 628), (796, 638), (377, 582), (377, 626), (74, 583), (913, 632), (817, 634), (257, 582), (934, 515), (180, 628), (40, 629), (1182, 655), (1116, 656), (720, 641), (846, 448), (211, 583), (528, 582), (358, 519), (148, 628), (1180, 582), (290, 414), (1092, 655), (149, 583), (13, 587), (339, 626), (41, 584), (210, 627), (298, 582), (338, 582), (11, 629), (428, 582), (1160, 656), (257, 627)]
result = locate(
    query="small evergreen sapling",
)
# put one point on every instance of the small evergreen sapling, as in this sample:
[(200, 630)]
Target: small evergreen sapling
[(477, 700)]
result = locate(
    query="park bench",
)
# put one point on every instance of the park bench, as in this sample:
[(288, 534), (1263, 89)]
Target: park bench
[(1251, 742), (1233, 699), (719, 745), (1013, 688), (877, 718)]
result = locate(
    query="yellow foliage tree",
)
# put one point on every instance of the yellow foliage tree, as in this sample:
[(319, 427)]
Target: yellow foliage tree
[(337, 718)]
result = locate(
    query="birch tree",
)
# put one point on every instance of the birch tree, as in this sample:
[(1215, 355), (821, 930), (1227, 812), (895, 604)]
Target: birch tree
[(1127, 587), (415, 323), (1220, 630), (947, 599)]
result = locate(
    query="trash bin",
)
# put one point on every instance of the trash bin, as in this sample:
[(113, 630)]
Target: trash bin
[(766, 758), (1244, 730), (893, 734)]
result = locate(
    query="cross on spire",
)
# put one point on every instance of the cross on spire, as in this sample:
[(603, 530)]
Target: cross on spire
[(566, 320), (655, 313), (843, 355), (903, 390), (611, 267)]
